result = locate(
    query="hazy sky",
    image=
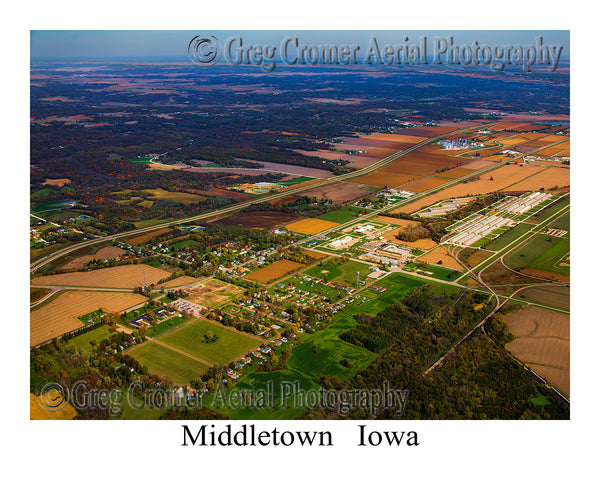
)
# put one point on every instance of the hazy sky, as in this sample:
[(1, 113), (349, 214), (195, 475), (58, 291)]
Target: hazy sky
[(132, 43)]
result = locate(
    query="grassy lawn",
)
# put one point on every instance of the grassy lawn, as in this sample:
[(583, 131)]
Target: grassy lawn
[(83, 341), (342, 215), (168, 363), (541, 252), (342, 274), (229, 346), (185, 243), (166, 325)]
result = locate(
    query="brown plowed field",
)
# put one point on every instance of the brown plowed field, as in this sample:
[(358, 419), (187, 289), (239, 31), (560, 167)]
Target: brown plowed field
[(139, 239), (393, 137), (178, 282), (124, 276), (422, 163), (104, 253), (339, 192), (60, 315), (543, 342), (424, 184), (379, 178), (456, 172), (274, 271), (257, 219)]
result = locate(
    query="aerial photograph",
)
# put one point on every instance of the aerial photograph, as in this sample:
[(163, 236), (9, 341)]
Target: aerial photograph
[(299, 225)]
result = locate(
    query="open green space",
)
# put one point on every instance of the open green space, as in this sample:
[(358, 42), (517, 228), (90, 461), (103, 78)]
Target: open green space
[(166, 325), (142, 160), (295, 181), (508, 237), (549, 211), (562, 223), (168, 363), (230, 344), (342, 274), (342, 215), (185, 243), (542, 252), (83, 341), (52, 205)]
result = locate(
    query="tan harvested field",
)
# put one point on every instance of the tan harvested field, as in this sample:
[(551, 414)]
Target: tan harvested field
[(503, 177), (36, 412), (310, 226), (440, 254), (422, 163), (456, 172), (339, 192), (401, 222), (393, 137), (213, 293), (314, 254), (561, 147), (422, 244), (543, 342), (104, 253), (124, 276), (424, 184), (139, 239), (60, 315), (178, 282), (546, 178), (379, 178), (274, 271), (479, 164)]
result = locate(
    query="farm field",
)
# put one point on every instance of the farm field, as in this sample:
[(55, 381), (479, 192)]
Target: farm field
[(547, 178), (424, 184), (543, 342), (310, 226), (104, 253), (339, 192), (230, 345), (264, 219), (540, 252), (60, 315), (401, 222), (501, 178), (342, 215), (439, 256), (274, 271), (139, 239), (552, 295), (124, 276), (379, 178), (422, 163), (508, 237), (178, 282), (163, 361), (213, 293), (36, 294), (421, 244), (36, 412)]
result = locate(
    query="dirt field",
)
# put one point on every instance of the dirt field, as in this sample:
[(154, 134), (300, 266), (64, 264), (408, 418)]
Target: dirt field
[(424, 184), (257, 220), (503, 177), (314, 254), (439, 253), (546, 178), (124, 276), (213, 293), (274, 271), (543, 342), (139, 239), (422, 163), (104, 253), (339, 192), (392, 137), (310, 226), (455, 172), (60, 315)]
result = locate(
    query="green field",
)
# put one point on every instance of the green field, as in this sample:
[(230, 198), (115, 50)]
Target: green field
[(229, 346), (542, 252), (142, 160), (508, 237), (295, 181), (342, 215), (185, 243), (51, 206), (562, 223), (342, 274), (168, 363), (83, 341)]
